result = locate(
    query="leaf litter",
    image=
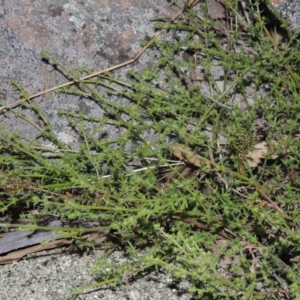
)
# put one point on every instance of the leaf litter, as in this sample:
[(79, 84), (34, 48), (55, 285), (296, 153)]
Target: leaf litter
[(193, 165)]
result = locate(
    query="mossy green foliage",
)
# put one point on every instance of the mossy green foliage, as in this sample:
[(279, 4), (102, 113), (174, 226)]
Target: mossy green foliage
[(188, 226)]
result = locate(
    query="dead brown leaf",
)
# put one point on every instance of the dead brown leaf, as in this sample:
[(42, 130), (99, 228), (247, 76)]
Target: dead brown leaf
[(225, 261), (215, 9), (96, 237), (17, 255), (188, 156), (259, 152)]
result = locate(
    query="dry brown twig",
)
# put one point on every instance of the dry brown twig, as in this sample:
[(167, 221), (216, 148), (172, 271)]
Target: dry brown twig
[(189, 3)]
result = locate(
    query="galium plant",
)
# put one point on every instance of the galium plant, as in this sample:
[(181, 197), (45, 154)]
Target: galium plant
[(203, 177)]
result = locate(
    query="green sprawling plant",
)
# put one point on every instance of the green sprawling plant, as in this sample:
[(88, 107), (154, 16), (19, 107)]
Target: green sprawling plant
[(184, 181)]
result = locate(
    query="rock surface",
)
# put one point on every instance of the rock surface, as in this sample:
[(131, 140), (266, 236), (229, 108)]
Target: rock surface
[(90, 34), (94, 34), (289, 10)]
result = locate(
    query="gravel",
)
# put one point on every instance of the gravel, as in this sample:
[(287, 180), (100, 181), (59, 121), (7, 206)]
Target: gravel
[(53, 274), (95, 34)]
